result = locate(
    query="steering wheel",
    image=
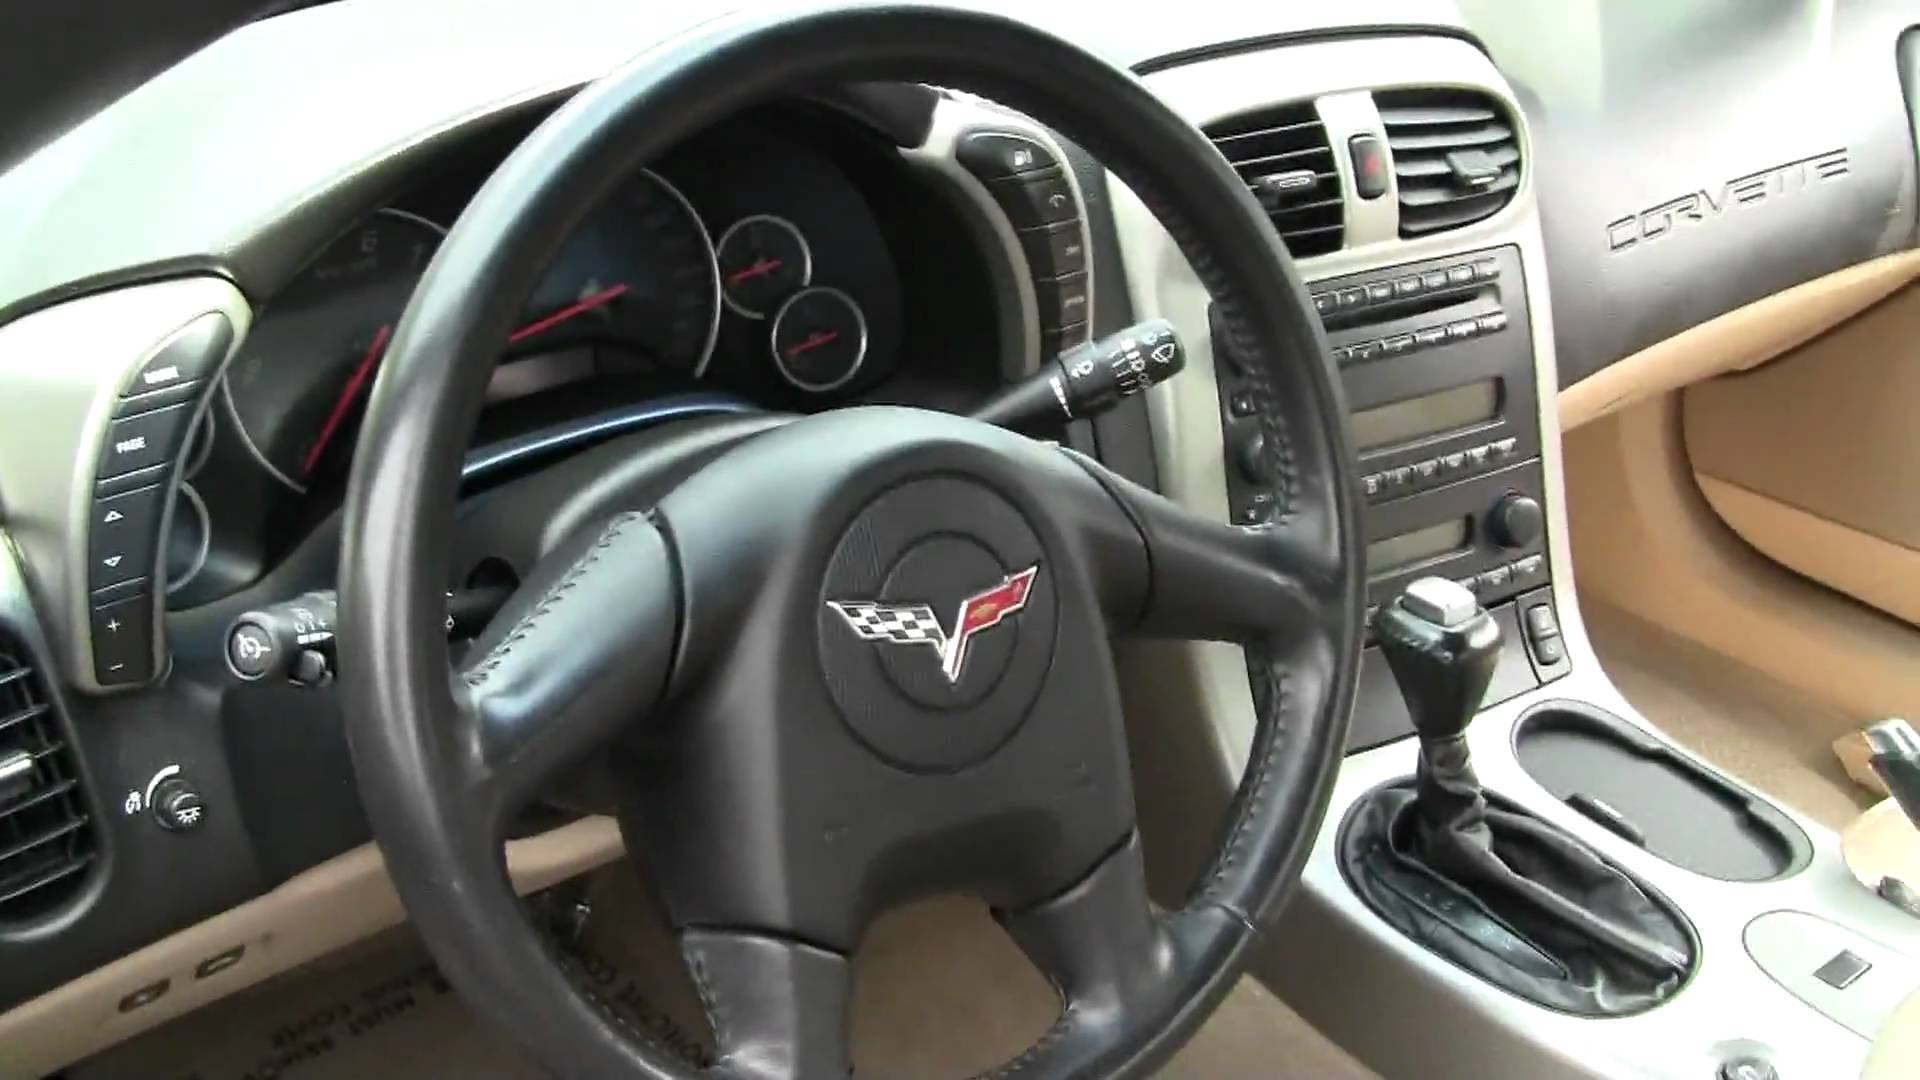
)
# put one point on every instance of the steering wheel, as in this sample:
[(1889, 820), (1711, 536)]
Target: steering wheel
[(868, 650)]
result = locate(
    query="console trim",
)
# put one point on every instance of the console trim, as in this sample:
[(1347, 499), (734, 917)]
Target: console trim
[(65, 366)]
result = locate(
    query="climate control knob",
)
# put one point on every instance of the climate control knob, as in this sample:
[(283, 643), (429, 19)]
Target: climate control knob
[(1517, 521)]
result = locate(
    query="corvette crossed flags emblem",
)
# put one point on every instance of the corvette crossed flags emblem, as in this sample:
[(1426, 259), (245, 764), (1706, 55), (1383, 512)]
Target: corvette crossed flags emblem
[(916, 624)]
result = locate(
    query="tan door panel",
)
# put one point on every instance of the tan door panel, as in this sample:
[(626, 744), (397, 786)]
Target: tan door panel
[(1811, 458), (1645, 539)]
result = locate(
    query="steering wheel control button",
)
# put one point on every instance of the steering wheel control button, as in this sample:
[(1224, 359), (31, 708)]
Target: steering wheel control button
[(189, 356), (120, 544), (176, 804), (1370, 168), (1040, 199), (143, 441), (819, 340), (937, 623), (994, 155), (123, 642), (763, 260)]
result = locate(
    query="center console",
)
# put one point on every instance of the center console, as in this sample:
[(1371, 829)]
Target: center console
[(1777, 962)]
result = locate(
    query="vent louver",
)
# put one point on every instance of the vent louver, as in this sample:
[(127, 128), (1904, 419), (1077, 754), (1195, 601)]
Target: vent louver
[(1283, 156), (46, 840), (1456, 158)]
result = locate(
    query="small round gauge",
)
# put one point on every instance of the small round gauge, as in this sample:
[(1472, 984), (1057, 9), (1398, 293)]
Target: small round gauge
[(308, 363), (819, 339), (763, 260)]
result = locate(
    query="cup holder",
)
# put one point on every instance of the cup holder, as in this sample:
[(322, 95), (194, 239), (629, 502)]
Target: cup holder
[(1639, 787)]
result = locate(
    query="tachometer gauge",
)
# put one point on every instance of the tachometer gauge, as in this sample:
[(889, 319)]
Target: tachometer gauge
[(308, 363), (635, 286), (763, 260), (819, 339)]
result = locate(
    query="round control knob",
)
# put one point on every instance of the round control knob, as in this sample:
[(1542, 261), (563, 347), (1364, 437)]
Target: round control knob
[(1518, 521), (176, 805), (1250, 457)]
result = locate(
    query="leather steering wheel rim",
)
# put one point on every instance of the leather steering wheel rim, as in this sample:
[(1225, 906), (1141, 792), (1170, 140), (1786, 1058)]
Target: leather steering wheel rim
[(443, 759)]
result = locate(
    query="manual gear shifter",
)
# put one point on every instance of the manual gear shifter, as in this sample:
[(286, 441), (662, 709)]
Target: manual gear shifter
[(1479, 879)]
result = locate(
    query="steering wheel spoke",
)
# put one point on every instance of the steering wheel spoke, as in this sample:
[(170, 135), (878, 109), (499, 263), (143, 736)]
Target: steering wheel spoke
[(1208, 581), (579, 654), (779, 1008)]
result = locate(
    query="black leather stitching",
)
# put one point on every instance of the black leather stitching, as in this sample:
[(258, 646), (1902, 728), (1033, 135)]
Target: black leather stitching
[(1271, 728), (477, 674)]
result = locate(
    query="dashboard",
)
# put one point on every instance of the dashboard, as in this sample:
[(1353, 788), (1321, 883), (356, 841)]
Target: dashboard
[(868, 244), (785, 261)]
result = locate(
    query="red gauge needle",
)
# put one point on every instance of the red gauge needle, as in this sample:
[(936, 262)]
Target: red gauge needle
[(814, 341), (761, 268), (585, 304), (344, 403)]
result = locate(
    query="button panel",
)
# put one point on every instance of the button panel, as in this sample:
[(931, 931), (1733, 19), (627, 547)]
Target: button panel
[(1426, 337), (1455, 276), (1444, 469), (134, 475), (1033, 190)]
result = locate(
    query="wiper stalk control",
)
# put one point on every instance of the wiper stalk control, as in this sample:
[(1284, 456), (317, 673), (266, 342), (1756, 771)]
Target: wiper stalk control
[(1089, 379)]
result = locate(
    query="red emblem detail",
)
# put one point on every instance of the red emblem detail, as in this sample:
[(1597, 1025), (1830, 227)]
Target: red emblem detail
[(916, 624)]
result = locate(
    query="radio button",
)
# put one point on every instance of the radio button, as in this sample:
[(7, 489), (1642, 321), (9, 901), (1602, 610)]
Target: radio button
[(1496, 579), (1397, 478), (1460, 275), (1426, 471), (1477, 456), (1324, 303), (1529, 571), (1397, 344), (1462, 330), (1485, 270), (1433, 280), (1366, 350), (1504, 449), (1379, 292), (1453, 463), (1429, 337), (1373, 482), (1406, 286), (1494, 323), (1351, 297)]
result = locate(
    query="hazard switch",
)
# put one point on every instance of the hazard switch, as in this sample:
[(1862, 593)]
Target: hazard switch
[(1370, 166)]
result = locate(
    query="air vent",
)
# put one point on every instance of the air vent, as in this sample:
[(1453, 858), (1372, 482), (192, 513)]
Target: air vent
[(1283, 156), (1455, 157), (46, 841)]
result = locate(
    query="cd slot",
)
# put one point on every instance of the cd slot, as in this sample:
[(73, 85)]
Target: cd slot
[(1416, 307)]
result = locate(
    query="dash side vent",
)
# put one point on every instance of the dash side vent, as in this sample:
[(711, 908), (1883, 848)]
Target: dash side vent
[(1456, 157), (46, 838), (1283, 155)]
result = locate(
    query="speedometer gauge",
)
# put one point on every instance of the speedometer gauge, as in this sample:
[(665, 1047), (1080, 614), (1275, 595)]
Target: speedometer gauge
[(634, 288)]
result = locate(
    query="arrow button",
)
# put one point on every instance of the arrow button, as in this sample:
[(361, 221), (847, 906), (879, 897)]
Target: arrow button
[(125, 535)]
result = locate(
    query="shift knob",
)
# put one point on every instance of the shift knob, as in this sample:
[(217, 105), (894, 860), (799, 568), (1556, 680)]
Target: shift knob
[(1442, 647)]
